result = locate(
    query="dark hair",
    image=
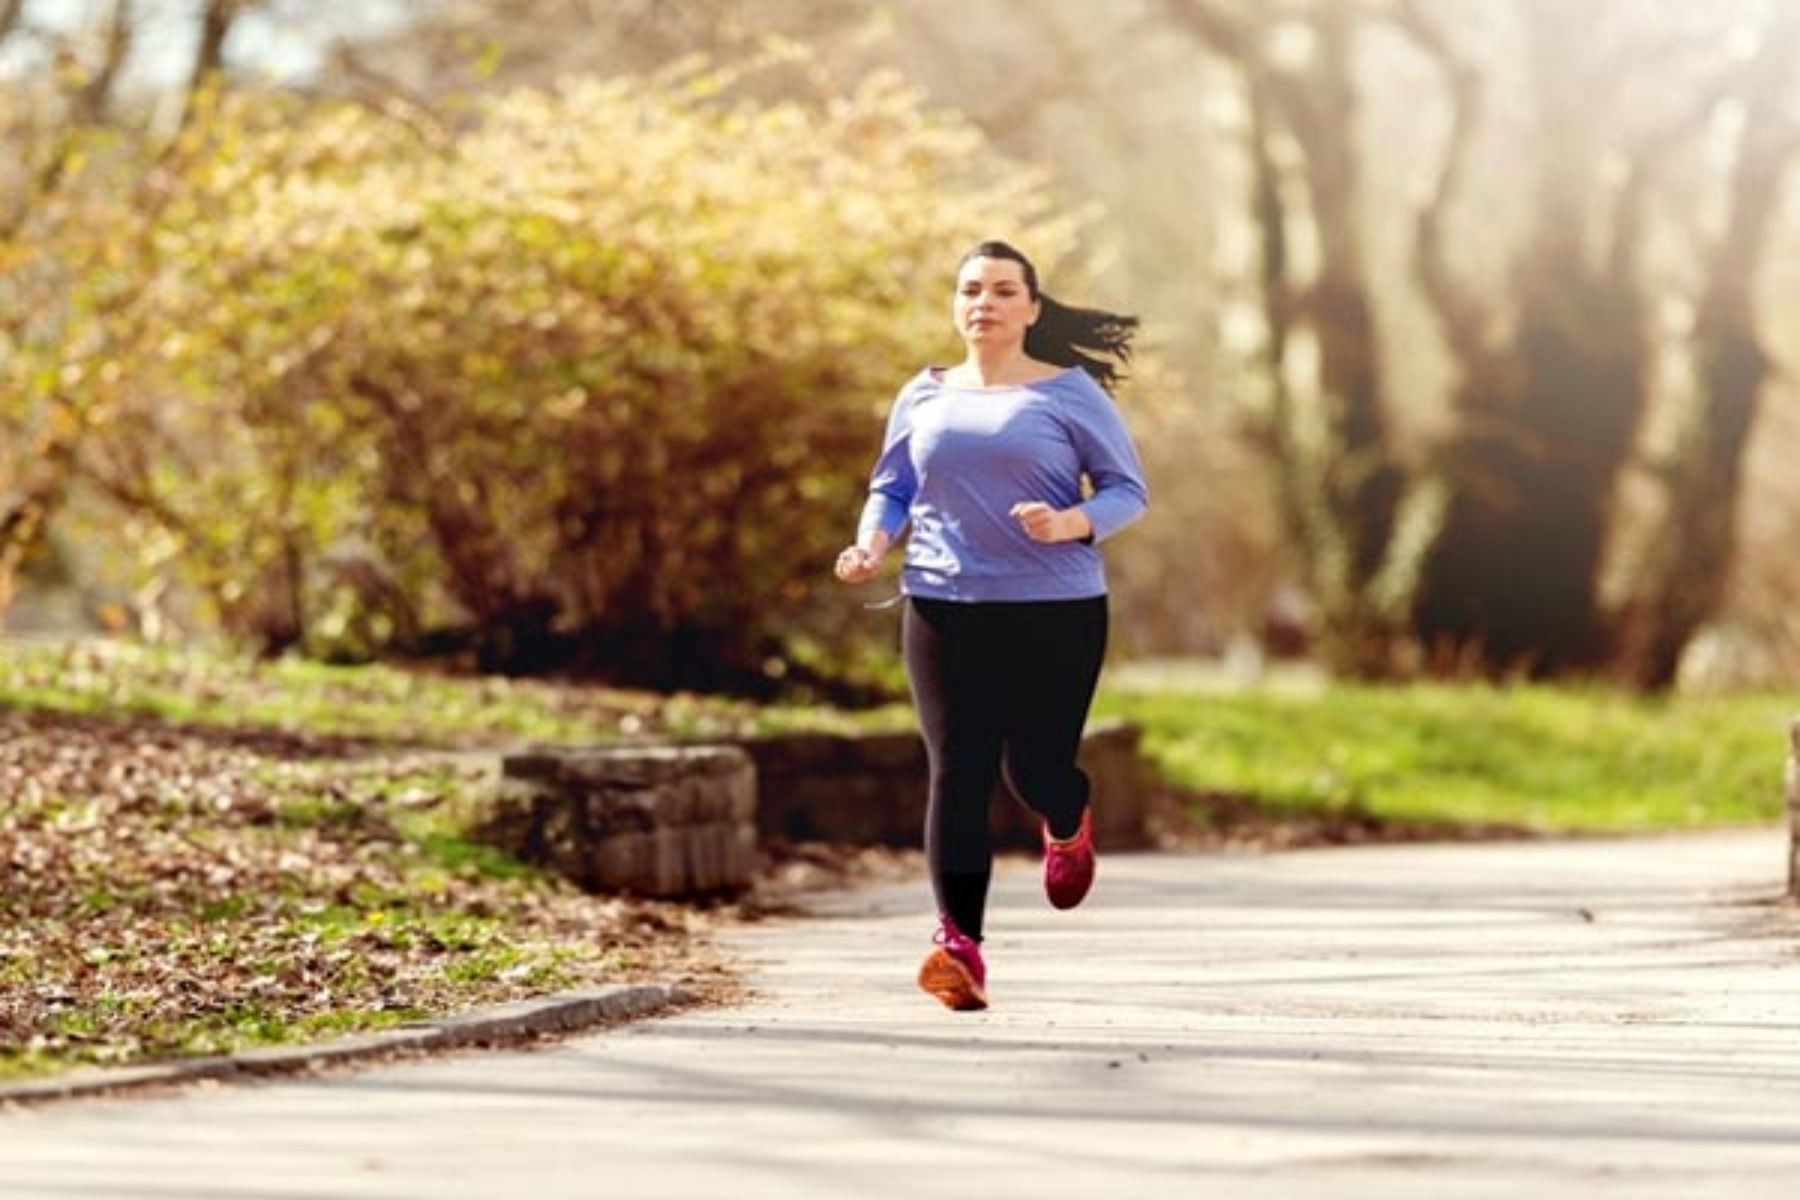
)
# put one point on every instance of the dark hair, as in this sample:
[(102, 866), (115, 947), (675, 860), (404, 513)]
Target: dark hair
[(1064, 335)]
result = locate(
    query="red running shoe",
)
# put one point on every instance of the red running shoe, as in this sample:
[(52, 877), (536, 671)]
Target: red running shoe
[(954, 972), (1069, 863)]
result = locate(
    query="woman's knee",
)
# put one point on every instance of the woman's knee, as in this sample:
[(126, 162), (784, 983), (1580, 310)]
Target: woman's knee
[(1045, 784)]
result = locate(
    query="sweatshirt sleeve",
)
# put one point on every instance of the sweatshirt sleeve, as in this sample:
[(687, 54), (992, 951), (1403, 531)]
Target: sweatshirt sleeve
[(1110, 460), (892, 483)]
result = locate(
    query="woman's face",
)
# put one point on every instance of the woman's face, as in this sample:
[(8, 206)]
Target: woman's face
[(994, 307)]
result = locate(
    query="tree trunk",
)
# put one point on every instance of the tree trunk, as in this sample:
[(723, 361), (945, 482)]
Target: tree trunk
[(1339, 483), (88, 102), (1684, 580), (1511, 583)]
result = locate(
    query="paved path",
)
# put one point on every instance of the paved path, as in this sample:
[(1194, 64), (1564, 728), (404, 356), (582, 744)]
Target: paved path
[(1589, 1019)]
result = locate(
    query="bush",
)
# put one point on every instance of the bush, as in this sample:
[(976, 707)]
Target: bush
[(591, 384)]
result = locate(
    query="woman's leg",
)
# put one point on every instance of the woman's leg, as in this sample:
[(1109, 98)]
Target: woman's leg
[(948, 650), (1054, 651)]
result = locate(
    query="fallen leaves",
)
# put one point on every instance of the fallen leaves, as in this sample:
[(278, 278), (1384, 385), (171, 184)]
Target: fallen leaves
[(172, 891)]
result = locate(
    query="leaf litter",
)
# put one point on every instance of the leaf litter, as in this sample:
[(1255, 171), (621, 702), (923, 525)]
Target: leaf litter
[(173, 891)]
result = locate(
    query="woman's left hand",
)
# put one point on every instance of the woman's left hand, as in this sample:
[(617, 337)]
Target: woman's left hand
[(1042, 523)]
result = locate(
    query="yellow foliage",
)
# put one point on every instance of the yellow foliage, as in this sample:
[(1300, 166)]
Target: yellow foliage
[(600, 372)]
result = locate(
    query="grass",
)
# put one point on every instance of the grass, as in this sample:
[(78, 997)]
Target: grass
[(96, 677), (1549, 759)]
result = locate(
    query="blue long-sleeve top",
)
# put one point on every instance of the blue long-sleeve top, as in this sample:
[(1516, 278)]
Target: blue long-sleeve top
[(955, 460)]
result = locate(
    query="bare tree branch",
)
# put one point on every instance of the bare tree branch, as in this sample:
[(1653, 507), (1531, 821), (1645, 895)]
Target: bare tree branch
[(215, 27), (1460, 313), (1650, 154), (388, 96), (216, 23), (89, 101), (1238, 41)]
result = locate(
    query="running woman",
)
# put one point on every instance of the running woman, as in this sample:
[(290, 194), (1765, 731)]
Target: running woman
[(1007, 471)]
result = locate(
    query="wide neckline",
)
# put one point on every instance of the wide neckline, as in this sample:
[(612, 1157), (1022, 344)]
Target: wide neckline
[(938, 375)]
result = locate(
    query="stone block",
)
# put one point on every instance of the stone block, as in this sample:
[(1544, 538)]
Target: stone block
[(664, 820)]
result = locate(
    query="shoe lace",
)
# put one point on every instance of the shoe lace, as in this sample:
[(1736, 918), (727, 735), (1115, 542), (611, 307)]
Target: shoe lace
[(950, 937)]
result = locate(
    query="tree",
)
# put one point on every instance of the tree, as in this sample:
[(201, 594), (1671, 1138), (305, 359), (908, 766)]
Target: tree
[(1491, 549), (1684, 572), (1339, 482), (76, 154)]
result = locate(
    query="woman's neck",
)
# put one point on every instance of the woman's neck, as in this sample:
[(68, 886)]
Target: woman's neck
[(999, 369)]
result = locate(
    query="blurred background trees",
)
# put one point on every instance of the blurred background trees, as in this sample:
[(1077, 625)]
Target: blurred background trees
[(1584, 232), (557, 333)]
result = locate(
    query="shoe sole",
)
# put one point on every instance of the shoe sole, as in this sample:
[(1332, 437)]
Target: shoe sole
[(1065, 903), (951, 983)]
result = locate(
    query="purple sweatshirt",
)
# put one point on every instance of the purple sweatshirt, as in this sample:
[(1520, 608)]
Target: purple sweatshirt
[(956, 459)]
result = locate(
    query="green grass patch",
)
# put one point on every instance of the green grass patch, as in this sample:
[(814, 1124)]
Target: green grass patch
[(109, 679), (1545, 758), (452, 852), (113, 679)]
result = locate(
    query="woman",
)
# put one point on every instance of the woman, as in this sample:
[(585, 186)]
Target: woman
[(1009, 468)]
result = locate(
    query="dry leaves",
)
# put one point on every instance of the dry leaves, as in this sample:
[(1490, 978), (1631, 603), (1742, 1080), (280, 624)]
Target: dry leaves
[(175, 891)]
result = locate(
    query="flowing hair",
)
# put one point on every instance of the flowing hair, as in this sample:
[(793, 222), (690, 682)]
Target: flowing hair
[(1097, 341)]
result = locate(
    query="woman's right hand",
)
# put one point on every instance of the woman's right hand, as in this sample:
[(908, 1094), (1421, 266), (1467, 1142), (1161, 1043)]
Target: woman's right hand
[(856, 564)]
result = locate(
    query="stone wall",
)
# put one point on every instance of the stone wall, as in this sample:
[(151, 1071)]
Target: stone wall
[(691, 819), (869, 790)]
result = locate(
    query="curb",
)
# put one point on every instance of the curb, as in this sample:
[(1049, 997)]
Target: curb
[(500, 1025)]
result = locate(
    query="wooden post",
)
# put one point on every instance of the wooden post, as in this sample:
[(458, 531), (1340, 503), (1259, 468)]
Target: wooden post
[(1793, 807)]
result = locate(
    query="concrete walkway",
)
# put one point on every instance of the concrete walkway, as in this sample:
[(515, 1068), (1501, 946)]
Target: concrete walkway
[(1543, 1020)]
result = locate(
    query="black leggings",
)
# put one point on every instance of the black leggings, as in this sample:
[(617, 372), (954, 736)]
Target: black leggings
[(1002, 690)]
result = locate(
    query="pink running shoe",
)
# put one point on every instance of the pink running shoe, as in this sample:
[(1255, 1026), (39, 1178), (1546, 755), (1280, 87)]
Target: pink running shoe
[(1069, 863), (954, 972)]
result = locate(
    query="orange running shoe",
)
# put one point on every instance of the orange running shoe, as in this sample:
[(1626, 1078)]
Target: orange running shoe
[(954, 972)]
